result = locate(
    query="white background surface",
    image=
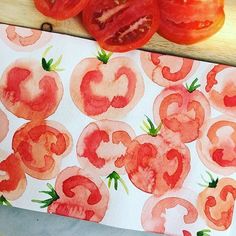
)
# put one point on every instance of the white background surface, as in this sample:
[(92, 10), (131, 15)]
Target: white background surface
[(124, 211)]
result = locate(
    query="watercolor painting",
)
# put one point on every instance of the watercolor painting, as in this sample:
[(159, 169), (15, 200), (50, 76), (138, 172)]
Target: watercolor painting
[(102, 146), (13, 179), (23, 39), (4, 122), (31, 89), (167, 70), (77, 194), (181, 109), (220, 88), (40, 146), (216, 147), (156, 164), (92, 77), (140, 141), (154, 214)]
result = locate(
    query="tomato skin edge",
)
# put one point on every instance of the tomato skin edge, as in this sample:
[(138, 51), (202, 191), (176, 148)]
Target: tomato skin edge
[(185, 39), (131, 46), (43, 8)]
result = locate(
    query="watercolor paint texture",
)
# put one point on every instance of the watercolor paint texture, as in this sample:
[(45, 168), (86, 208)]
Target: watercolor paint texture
[(137, 140)]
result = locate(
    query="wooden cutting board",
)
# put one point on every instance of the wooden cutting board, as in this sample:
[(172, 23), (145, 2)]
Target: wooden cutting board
[(221, 48)]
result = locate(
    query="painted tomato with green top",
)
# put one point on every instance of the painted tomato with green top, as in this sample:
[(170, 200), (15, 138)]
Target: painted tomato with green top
[(105, 88), (156, 163), (78, 194), (30, 89), (216, 202), (182, 110), (190, 21)]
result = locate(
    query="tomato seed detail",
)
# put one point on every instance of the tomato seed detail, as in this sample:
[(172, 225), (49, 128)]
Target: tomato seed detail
[(107, 15), (131, 32)]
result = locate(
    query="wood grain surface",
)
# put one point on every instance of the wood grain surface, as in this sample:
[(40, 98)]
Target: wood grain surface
[(221, 48)]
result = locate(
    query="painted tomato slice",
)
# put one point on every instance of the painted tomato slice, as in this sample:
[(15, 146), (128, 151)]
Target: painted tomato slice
[(217, 146), (12, 177), (216, 204), (121, 25), (102, 146), (83, 195), (41, 146), (60, 9), (220, 88), (106, 91), (190, 21), (166, 70), (182, 112), (157, 165), (158, 214), (23, 39), (4, 125), (204, 232), (30, 92)]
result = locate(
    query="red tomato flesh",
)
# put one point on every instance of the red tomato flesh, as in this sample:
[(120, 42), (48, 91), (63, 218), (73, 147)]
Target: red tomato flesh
[(121, 25), (60, 9), (190, 21)]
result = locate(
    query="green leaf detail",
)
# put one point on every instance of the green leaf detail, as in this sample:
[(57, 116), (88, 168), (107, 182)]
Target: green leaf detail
[(47, 51), (194, 86), (205, 232), (47, 202), (209, 184), (103, 56), (4, 201), (116, 177), (48, 65), (149, 128)]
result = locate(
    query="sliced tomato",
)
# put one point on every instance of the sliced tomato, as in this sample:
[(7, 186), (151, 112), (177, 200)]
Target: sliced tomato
[(216, 203), (40, 146), (121, 25), (83, 195), (12, 178), (157, 164), (29, 91), (220, 88), (90, 80), (102, 145), (60, 9), (190, 21), (24, 39), (158, 213), (182, 111), (217, 146), (166, 70)]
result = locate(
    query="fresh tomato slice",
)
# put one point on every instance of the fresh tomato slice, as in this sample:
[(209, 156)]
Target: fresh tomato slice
[(190, 21), (60, 9), (121, 25)]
